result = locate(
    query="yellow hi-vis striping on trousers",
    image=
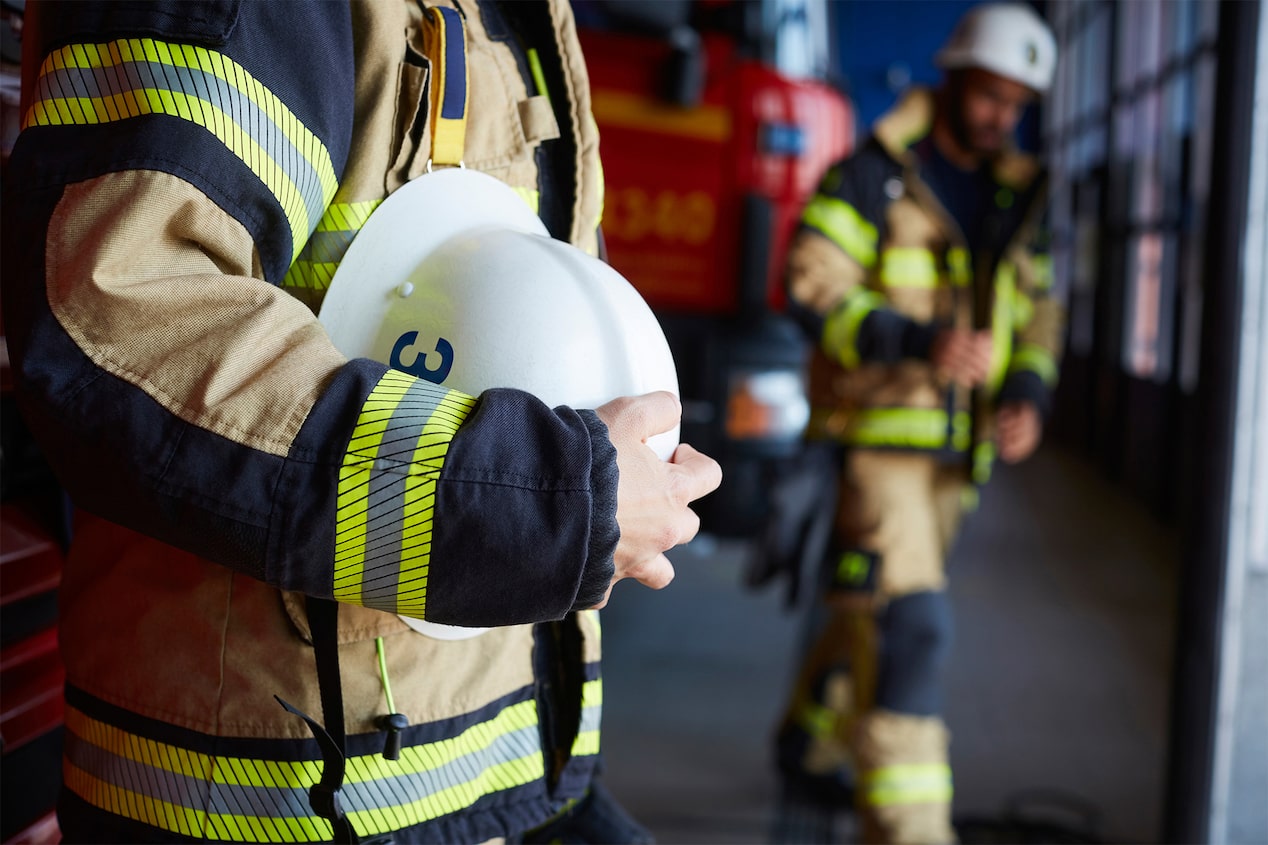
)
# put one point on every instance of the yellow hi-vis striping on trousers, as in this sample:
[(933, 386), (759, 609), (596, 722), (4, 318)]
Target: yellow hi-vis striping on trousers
[(266, 800)]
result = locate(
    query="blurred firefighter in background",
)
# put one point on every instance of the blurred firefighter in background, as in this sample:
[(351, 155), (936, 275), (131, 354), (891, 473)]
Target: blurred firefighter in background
[(919, 271)]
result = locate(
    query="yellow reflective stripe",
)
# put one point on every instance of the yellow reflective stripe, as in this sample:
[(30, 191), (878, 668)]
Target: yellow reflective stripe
[(386, 493), (587, 741), (449, 91), (841, 328), (983, 460), (1041, 264), (1031, 357), (319, 259), (908, 267), (1002, 325), (818, 721), (959, 268), (914, 428), (1023, 310), (587, 744), (195, 794), (913, 783), (86, 84), (844, 225)]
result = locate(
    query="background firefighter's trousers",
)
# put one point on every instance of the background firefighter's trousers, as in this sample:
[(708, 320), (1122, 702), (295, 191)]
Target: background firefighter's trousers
[(868, 696)]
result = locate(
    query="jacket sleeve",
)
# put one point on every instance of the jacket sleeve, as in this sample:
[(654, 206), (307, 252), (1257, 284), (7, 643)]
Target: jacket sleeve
[(160, 188), (1039, 328), (833, 260)]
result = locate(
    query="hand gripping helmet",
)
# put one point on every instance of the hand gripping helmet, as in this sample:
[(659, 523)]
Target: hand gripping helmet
[(455, 280), (1009, 39)]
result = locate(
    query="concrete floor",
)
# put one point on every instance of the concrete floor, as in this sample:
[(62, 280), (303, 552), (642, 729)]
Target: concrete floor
[(1064, 594)]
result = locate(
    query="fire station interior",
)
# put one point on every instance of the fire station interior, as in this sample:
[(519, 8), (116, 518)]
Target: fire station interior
[(1108, 678)]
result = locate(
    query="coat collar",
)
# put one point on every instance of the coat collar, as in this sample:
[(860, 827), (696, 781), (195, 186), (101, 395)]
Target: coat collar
[(910, 122)]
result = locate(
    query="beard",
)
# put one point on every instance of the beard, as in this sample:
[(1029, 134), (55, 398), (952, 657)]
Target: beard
[(976, 139)]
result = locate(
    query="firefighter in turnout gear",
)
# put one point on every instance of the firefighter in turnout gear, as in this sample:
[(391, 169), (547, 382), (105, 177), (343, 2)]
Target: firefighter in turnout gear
[(920, 273), (188, 177)]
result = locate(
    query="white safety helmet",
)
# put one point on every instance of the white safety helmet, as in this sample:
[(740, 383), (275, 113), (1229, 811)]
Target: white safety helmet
[(454, 279), (1009, 39)]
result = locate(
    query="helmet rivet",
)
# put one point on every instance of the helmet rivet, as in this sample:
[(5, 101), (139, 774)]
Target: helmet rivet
[(405, 289)]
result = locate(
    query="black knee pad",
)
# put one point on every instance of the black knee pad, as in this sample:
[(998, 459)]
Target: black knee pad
[(915, 640)]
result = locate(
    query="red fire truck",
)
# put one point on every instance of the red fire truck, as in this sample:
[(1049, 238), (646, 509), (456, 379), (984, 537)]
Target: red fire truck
[(716, 122)]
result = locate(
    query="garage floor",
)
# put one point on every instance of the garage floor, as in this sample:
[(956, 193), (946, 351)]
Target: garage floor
[(1064, 594)]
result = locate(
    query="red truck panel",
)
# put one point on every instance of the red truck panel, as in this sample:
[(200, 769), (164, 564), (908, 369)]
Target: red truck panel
[(676, 178)]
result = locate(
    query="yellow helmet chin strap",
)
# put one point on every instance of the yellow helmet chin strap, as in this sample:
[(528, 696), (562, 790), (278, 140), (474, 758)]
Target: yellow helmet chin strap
[(447, 49)]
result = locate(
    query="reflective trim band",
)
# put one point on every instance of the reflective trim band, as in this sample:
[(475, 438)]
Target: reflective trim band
[(841, 328), (448, 52), (1002, 325), (1023, 310), (387, 493), (910, 428), (816, 720), (908, 267), (87, 84), (843, 224), (983, 460), (913, 783), (320, 257), (1031, 357), (958, 267), (264, 800), (587, 741), (1041, 264)]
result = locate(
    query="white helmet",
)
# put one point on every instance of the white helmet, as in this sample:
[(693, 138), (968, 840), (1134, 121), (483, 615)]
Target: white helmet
[(454, 279), (1009, 39)]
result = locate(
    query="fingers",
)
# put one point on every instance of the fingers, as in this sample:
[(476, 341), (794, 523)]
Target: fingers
[(655, 573), (641, 417), (653, 496), (702, 473), (963, 357), (1018, 430)]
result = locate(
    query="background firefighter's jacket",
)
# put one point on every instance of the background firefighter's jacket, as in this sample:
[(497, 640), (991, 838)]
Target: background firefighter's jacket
[(187, 177), (878, 265)]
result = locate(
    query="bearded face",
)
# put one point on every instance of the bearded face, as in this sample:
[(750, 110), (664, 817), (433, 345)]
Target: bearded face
[(985, 109)]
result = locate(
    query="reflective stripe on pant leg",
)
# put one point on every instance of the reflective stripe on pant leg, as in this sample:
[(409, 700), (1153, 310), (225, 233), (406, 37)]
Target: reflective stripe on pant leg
[(908, 783), (905, 787)]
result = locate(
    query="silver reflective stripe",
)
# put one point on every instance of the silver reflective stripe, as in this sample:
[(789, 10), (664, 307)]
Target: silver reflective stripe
[(85, 84)]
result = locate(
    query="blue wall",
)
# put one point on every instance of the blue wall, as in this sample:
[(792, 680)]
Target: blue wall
[(875, 36)]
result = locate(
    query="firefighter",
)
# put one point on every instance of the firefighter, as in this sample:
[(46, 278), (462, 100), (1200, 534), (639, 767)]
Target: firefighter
[(919, 271), (186, 180)]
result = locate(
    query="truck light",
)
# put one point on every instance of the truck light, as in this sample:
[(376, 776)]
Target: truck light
[(768, 405)]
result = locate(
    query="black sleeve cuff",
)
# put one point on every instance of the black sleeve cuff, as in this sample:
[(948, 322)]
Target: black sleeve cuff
[(1026, 386), (604, 533), (525, 513), (887, 337)]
